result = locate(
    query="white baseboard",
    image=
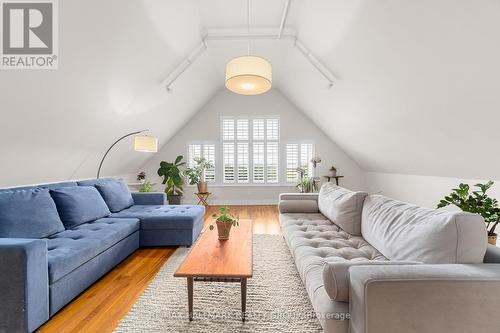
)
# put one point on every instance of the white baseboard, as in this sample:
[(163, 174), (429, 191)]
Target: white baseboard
[(234, 202)]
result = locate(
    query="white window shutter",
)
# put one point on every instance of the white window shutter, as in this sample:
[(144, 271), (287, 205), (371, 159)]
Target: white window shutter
[(258, 162), (194, 151), (242, 160), (258, 129), (227, 129), (306, 154), (209, 154), (272, 160), (272, 129), (292, 162), (228, 156), (242, 129)]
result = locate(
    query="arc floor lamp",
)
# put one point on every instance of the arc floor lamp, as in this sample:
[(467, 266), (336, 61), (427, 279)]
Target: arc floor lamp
[(142, 143)]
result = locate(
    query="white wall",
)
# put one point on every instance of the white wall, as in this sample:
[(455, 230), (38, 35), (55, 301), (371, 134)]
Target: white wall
[(204, 126), (421, 190)]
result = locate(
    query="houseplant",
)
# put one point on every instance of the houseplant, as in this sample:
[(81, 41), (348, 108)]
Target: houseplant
[(196, 174), (224, 221), (333, 171), (306, 184), (173, 178), (147, 186), (477, 202)]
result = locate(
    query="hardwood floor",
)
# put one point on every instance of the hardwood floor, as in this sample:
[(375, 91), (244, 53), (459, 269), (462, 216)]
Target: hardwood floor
[(104, 304)]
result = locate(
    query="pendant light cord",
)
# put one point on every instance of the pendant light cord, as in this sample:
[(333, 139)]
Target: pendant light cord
[(248, 26)]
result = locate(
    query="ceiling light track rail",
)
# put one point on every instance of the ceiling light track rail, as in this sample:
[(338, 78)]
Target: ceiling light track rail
[(218, 36)]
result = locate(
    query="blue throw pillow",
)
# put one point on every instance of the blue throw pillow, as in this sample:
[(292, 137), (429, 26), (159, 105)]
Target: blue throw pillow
[(79, 204), (116, 194), (29, 213)]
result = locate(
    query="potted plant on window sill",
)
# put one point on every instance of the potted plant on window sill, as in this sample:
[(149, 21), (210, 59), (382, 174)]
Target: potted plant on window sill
[(173, 178), (224, 221), (477, 202), (197, 174)]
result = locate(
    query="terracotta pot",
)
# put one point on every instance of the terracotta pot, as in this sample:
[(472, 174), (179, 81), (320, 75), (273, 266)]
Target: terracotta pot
[(223, 230), (202, 187), (492, 239), (333, 173)]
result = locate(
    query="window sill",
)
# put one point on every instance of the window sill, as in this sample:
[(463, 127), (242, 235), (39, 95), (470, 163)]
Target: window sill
[(210, 185)]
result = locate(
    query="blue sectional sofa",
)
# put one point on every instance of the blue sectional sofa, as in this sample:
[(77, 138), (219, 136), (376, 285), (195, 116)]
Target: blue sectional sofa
[(58, 239)]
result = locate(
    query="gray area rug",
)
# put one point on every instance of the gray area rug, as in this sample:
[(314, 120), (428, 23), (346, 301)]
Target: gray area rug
[(276, 298)]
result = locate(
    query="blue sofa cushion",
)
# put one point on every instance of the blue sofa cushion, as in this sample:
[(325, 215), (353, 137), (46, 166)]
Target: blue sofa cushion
[(79, 204), (70, 249), (116, 194), (164, 216), (29, 213)]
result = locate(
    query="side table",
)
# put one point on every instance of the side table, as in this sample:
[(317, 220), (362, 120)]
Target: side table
[(202, 198)]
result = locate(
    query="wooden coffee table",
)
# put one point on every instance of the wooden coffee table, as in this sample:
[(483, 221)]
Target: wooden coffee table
[(211, 260)]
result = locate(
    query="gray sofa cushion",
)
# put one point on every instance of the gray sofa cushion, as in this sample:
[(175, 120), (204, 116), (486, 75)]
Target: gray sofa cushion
[(342, 206), (402, 231)]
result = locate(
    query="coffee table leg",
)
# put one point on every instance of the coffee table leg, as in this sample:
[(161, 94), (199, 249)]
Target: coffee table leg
[(190, 297), (243, 298)]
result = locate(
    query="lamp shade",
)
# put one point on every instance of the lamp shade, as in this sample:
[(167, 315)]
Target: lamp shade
[(249, 75), (146, 144)]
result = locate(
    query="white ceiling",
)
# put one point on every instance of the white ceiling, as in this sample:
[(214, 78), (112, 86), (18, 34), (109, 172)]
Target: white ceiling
[(417, 90)]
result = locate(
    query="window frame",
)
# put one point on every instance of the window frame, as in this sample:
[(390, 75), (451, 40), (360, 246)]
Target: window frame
[(250, 144), (299, 144)]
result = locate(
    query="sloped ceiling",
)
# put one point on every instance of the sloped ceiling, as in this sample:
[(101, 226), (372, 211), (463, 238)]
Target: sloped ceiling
[(416, 93)]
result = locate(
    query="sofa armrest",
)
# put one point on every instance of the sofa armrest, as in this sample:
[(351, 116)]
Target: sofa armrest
[(24, 284), (298, 203), (149, 198), (336, 276), (425, 298), (492, 254)]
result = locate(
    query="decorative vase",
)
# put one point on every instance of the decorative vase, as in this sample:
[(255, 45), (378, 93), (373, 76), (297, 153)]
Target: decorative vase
[(223, 229), (202, 187), (333, 173), (492, 239)]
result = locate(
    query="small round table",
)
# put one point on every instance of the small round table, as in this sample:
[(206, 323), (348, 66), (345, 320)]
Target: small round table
[(202, 198)]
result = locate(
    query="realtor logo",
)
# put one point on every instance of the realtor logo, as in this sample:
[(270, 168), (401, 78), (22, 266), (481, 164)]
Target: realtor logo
[(29, 34)]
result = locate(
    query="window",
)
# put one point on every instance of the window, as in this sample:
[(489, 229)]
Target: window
[(206, 150), (250, 150), (298, 155)]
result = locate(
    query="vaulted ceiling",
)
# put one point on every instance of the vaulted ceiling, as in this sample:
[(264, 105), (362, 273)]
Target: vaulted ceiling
[(416, 89)]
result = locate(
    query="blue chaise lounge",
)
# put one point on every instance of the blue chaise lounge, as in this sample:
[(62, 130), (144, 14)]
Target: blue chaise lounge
[(57, 239)]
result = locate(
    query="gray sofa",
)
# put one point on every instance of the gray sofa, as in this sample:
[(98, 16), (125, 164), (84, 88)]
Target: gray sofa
[(372, 264)]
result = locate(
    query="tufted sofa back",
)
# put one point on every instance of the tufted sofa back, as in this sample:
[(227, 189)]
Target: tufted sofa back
[(401, 231)]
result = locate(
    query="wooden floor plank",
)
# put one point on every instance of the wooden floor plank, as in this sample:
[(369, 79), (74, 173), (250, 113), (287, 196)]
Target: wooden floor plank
[(101, 307)]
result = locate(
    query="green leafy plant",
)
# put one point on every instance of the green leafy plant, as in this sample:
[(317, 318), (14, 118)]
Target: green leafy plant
[(333, 168), (225, 216), (172, 176), (146, 187), (307, 185), (196, 174), (477, 202)]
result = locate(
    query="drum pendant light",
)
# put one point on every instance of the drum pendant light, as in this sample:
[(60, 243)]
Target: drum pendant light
[(248, 75)]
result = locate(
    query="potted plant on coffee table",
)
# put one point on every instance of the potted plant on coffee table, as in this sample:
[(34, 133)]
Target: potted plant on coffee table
[(477, 202), (224, 221), (173, 178), (197, 174)]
